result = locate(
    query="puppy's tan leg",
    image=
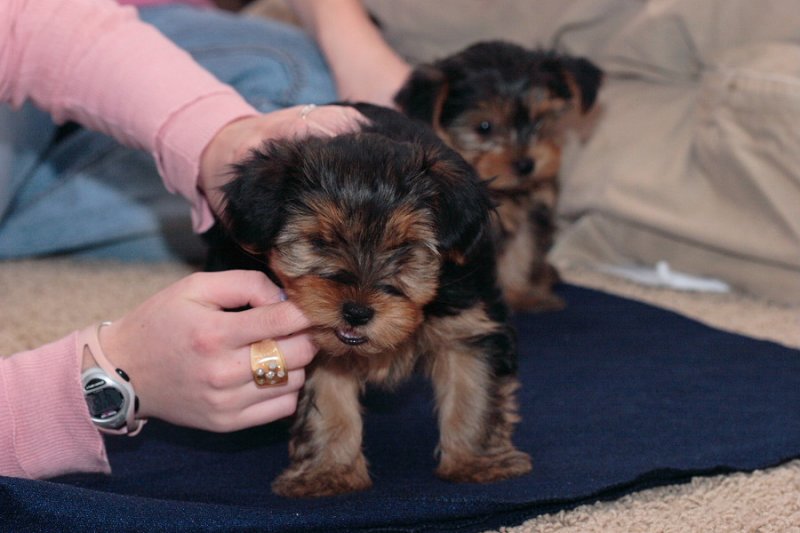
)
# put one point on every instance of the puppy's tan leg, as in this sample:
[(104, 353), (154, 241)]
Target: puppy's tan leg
[(540, 295), (477, 409), (325, 447), (525, 276)]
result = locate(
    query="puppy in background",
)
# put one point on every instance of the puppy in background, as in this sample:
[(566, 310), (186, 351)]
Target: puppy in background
[(382, 238), (504, 108)]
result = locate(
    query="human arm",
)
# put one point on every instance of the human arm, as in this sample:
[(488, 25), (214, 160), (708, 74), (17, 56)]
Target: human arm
[(188, 361), (45, 428), (236, 139), (95, 63), (364, 66)]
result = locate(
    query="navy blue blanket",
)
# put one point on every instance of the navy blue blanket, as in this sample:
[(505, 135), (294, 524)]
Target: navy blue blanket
[(617, 396)]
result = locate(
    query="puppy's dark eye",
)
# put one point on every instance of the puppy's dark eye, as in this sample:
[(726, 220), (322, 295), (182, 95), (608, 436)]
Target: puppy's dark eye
[(484, 128), (318, 242), (391, 290), (342, 277)]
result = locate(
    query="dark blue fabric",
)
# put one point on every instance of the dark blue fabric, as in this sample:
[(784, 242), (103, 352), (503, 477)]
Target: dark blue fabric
[(617, 396)]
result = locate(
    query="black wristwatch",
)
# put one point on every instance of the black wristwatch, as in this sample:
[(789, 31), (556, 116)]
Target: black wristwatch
[(108, 390)]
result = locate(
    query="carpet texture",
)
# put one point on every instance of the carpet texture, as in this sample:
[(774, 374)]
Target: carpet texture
[(619, 397)]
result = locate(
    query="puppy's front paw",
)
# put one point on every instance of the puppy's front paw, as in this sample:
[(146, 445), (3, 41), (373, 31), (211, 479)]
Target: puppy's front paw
[(303, 481), (484, 468)]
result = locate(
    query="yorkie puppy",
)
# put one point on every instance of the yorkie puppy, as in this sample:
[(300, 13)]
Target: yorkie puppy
[(504, 108), (382, 238)]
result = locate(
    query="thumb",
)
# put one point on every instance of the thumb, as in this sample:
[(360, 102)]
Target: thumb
[(231, 289)]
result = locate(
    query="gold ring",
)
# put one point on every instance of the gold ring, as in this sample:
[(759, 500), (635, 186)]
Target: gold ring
[(307, 109), (267, 364)]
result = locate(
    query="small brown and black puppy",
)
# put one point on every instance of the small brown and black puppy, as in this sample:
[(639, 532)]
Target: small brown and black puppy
[(382, 238), (504, 109)]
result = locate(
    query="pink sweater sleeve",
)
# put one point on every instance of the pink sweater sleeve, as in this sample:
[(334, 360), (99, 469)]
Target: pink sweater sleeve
[(45, 429), (96, 63)]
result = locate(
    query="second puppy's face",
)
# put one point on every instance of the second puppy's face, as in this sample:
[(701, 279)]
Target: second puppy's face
[(512, 140), (501, 107), (353, 228)]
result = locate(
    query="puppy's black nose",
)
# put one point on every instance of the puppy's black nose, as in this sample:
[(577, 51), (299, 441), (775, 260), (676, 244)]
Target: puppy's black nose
[(524, 166), (356, 314)]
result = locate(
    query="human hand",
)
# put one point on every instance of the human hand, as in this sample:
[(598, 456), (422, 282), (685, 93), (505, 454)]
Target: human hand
[(189, 359), (234, 141)]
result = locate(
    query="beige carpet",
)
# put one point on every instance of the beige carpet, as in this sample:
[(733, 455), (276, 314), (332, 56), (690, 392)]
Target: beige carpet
[(44, 300)]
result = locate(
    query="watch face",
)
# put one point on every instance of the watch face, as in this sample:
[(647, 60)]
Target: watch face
[(105, 398), (104, 403)]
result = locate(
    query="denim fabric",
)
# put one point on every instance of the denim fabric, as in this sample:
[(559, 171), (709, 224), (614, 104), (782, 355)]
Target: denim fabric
[(616, 396), (86, 195)]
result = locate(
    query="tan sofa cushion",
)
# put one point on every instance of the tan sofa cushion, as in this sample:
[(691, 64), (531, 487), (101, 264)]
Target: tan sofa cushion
[(425, 30), (696, 160)]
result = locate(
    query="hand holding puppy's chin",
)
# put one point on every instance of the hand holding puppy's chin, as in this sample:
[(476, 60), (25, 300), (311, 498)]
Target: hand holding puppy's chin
[(234, 141)]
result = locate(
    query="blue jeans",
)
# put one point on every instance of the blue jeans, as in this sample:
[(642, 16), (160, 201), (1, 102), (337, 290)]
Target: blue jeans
[(84, 194)]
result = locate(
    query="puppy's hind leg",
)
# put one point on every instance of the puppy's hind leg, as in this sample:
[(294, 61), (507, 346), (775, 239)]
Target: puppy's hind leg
[(325, 446), (476, 405)]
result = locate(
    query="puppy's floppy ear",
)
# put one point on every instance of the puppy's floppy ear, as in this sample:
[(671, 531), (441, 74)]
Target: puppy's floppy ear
[(423, 94), (462, 204), (255, 200), (585, 76)]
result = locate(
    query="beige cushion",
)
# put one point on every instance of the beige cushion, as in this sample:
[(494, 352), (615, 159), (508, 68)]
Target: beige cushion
[(425, 30), (696, 160)]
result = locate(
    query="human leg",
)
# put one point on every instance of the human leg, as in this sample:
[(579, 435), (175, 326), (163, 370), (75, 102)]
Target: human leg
[(272, 64)]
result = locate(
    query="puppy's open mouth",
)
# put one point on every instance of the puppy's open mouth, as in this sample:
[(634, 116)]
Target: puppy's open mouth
[(350, 337)]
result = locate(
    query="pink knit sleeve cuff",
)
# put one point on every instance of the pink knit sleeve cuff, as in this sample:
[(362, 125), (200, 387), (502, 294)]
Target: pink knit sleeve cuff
[(45, 429), (181, 142)]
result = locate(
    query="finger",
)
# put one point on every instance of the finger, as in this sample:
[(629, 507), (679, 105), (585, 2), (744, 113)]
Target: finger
[(232, 289), (297, 350), (249, 393), (265, 322), (334, 120), (249, 404), (238, 389), (237, 374), (253, 415), (268, 411)]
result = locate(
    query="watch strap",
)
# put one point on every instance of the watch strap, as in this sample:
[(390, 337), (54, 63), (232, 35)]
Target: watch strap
[(90, 338)]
